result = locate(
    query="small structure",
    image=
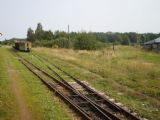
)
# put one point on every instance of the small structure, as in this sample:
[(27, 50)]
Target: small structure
[(22, 45), (152, 45)]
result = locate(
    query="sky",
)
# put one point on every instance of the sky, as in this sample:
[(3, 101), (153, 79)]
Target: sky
[(16, 16)]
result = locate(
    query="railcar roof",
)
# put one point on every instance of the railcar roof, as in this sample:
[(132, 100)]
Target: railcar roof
[(153, 41), (21, 41)]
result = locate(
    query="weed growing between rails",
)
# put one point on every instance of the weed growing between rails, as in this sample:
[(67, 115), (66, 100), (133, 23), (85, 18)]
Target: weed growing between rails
[(131, 75)]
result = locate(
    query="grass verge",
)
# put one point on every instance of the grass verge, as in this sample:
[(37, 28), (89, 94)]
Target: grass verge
[(41, 103), (130, 75)]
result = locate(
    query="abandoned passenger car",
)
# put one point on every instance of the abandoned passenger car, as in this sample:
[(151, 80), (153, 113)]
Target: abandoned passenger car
[(22, 45)]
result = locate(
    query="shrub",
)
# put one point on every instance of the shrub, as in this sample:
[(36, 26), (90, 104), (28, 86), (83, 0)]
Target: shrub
[(62, 42), (85, 42)]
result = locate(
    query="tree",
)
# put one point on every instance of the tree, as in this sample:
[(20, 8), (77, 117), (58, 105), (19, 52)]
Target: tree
[(30, 35), (86, 42), (48, 35), (125, 40), (59, 34), (118, 38), (39, 33), (62, 42)]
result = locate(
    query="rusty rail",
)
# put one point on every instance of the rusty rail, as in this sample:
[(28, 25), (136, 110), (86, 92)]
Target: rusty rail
[(85, 107), (100, 101)]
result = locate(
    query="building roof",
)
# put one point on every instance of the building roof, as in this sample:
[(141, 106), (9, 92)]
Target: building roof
[(21, 41), (153, 41)]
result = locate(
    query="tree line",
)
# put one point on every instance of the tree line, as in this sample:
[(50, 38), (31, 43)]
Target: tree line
[(83, 40), (128, 38)]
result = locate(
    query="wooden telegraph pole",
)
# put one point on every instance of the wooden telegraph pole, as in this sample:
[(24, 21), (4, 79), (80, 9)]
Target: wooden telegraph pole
[(113, 45), (69, 37), (113, 37), (68, 33)]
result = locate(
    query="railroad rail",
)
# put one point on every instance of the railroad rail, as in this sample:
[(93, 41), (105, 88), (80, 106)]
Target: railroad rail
[(87, 109), (97, 99)]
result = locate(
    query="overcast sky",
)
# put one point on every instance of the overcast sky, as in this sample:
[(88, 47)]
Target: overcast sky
[(89, 15)]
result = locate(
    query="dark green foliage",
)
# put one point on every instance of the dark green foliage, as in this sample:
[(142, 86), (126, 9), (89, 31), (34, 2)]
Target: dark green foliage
[(58, 34), (59, 39), (131, 38), (48, 35), (43, 43), (125, 40), (39, 32), (85, 42), (30, 35), (102, 37), (8, 42), (61, 42), (118, 38), (100, 45)]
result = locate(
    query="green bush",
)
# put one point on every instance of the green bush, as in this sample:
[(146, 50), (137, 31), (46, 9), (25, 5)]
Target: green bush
[(62, 42), (85, 42)]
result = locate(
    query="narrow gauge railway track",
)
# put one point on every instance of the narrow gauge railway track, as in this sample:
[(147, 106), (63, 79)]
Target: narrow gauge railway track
[(100, 101), (80, 103)]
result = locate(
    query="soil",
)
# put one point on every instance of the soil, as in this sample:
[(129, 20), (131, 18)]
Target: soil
[(23, 111)]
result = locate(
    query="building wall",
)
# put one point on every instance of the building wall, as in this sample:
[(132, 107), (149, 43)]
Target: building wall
[(158, 47), (152, 47), (155, 46), (147, 46), (22, 46)]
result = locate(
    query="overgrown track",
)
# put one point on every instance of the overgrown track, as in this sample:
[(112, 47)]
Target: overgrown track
[(97, 99), (81, 104)]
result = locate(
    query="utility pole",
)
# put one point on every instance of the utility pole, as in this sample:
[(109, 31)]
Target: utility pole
[(69, 37), (113, 37), (137, 38), (68, 33), (113, 45)]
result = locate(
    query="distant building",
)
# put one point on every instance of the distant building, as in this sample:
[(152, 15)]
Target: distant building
[(152, 45)]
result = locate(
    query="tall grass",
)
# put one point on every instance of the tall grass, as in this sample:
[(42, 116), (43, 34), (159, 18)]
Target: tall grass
[(41, 103), (128, 70)]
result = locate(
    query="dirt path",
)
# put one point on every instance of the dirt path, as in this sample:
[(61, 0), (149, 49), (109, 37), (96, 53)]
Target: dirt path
[(23, 111)]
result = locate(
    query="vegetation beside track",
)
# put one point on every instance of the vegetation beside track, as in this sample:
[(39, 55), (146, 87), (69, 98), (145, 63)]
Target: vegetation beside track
[(39, 101), (8, 105), (130, 75)]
